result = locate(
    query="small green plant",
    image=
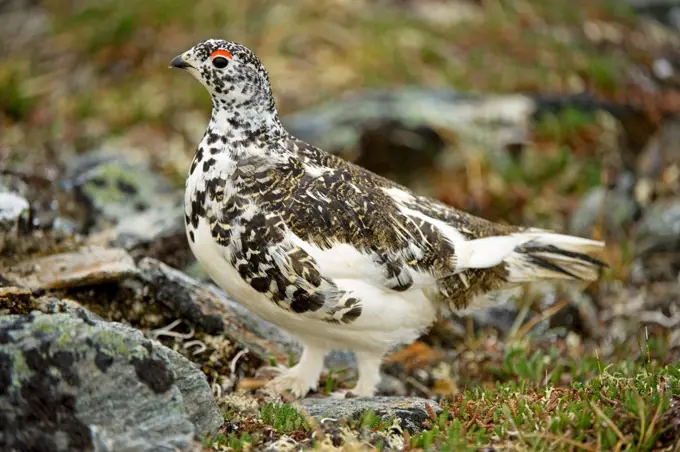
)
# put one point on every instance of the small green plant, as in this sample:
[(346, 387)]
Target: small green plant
[(330, 383), (14, 100), (425, 440), (283, 418), (560, 127), (233, 441), (334, 377), (369, 420)]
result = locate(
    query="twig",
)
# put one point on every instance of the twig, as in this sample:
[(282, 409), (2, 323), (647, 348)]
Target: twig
[(641, 410), (520, 317), (234, 360), (660, 319), (473, 418), (655, 418), (166, 331), (538, 319), (201, 346), (608, 421), (216, 390), (419, 385), (607, 399), (508, 414)]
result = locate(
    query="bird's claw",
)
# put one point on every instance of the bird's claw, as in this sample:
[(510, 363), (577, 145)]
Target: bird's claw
[(288, 379), (342, 394)]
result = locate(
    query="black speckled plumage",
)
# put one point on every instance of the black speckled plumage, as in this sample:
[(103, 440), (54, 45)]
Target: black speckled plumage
[(335, 254)]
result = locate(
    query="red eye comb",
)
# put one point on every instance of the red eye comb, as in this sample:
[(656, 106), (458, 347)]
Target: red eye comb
[(219, 52)]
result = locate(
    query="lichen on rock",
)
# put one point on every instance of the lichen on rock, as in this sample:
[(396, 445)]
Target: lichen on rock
[(69, 382)]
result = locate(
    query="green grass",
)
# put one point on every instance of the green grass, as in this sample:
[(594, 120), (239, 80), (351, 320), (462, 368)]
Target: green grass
[(620, 405), (283, 418), (15, 101), (561, 126), (232, 442), (373, 47), (447, 435), (529, 397), (369, 420)]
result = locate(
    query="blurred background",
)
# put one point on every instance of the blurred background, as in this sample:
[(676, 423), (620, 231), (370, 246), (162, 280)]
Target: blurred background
[(560, 114), (595, 81)]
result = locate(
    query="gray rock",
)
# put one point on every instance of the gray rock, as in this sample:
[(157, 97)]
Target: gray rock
[(411, 411), (12, 183), (659, 228), (337, 124), (45, 201), (643, 3), (68, 382), (199, 403), (115, 187), (665, 11), (87, 266), (482, 123), (14, 214), (617, 209), (657, 165), (340, 359), (127, 203), (661, 151), (391, 386), (21, 23), (166, 220)]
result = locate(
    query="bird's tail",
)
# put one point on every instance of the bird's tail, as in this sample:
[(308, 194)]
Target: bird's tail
[(534, 255), (546, 255)]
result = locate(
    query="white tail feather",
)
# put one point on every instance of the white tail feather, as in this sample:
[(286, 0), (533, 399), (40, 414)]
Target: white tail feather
[(534, 255)]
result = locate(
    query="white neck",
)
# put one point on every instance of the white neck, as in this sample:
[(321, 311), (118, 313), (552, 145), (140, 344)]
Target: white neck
[(245, 123)]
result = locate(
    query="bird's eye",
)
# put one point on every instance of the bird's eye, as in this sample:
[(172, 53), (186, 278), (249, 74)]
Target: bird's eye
[(220, 62)]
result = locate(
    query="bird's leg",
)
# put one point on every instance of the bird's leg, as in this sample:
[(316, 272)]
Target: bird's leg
[(302, 377), (368, 367)]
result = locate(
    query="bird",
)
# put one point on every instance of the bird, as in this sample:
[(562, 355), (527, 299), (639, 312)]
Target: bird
[(337, 256)]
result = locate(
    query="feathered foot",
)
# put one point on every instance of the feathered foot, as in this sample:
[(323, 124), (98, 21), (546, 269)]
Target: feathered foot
[(302, 377)]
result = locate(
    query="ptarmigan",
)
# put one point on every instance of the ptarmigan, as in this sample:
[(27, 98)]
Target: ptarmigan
[(338, 256)]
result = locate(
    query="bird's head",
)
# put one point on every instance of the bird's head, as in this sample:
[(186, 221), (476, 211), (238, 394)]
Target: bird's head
[(232, 74)]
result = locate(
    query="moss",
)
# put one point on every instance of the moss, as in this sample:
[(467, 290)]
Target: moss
[(45, 325), (63, 339), (20, 370), (113, 343), (105, 187)]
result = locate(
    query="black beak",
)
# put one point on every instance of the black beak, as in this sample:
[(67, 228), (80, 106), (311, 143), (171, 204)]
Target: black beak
[(179, 63)]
